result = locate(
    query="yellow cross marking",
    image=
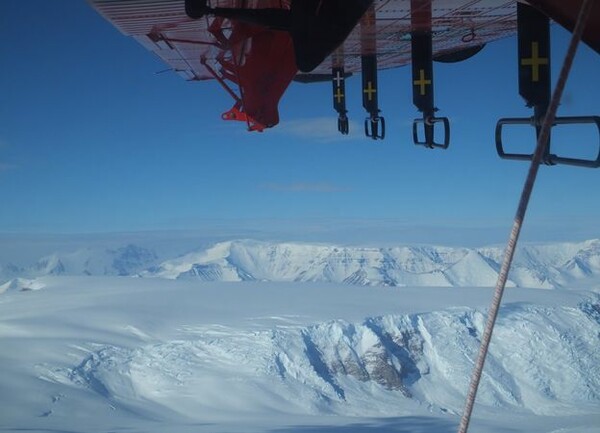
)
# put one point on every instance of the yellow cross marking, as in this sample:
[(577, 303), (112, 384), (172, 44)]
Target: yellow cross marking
[(422, 82), (370, 90), (535, 61), (339, 79), (339, 95)]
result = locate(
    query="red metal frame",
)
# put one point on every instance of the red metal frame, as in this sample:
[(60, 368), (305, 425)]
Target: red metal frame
[(261, 62)]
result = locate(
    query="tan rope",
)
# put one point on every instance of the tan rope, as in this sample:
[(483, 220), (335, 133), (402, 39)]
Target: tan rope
[(521, 211)]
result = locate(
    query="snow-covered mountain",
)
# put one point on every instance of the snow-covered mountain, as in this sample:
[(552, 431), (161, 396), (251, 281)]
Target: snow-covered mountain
[(122, 261), (366, 368), (85, 349), (22, 284), (539, 266), (10, 270), (561, 265)]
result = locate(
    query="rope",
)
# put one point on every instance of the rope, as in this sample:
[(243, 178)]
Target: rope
[(521, 211)]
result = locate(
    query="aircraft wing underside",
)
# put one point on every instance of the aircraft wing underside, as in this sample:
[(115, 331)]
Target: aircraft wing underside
[(192, 47), (261, 52)]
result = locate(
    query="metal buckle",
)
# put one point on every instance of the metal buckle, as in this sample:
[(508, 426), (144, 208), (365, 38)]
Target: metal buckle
[(549, 158), (429, 129), (343, 124), (375, 127)]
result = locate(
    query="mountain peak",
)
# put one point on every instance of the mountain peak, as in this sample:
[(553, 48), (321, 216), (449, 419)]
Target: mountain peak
[(539, 266)]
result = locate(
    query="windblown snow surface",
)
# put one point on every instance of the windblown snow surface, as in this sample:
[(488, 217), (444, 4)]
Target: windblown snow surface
[(168, 354)]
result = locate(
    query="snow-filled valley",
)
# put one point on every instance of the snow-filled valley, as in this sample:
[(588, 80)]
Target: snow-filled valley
[(255, 336)]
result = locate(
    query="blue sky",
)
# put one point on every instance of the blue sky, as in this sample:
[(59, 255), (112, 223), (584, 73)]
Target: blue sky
[(92, 140)]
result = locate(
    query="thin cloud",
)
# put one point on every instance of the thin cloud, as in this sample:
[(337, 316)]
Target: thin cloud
[(303, 187), (319, 129)]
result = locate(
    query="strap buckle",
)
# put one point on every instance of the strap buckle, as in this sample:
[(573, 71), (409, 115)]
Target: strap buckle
[(375, 127), (429, 132), (549, 158)]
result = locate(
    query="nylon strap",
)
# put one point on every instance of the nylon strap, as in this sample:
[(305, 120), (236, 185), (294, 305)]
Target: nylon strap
[(521, 211)]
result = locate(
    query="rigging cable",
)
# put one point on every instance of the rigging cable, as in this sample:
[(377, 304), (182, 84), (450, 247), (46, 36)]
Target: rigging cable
[(521, 211)]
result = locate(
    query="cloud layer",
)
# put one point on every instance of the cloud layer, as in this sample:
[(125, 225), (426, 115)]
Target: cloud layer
[(320, 129)]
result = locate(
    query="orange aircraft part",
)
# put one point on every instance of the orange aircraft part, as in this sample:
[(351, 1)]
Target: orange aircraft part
[(263, 70), (262, 62)]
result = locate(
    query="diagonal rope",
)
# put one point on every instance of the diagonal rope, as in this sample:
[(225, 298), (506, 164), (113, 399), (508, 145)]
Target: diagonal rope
[(521, 211)]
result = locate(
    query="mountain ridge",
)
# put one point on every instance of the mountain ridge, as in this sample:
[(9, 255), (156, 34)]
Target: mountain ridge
[(547, 266)]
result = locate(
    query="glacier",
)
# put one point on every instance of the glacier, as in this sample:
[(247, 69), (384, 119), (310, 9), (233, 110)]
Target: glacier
[(244, 335), (117, 353)]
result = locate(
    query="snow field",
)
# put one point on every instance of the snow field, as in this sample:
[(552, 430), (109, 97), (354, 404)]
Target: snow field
[(128, 352)]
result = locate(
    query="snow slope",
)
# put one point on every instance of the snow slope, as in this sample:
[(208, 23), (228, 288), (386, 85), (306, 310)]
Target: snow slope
[(120, 354)]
